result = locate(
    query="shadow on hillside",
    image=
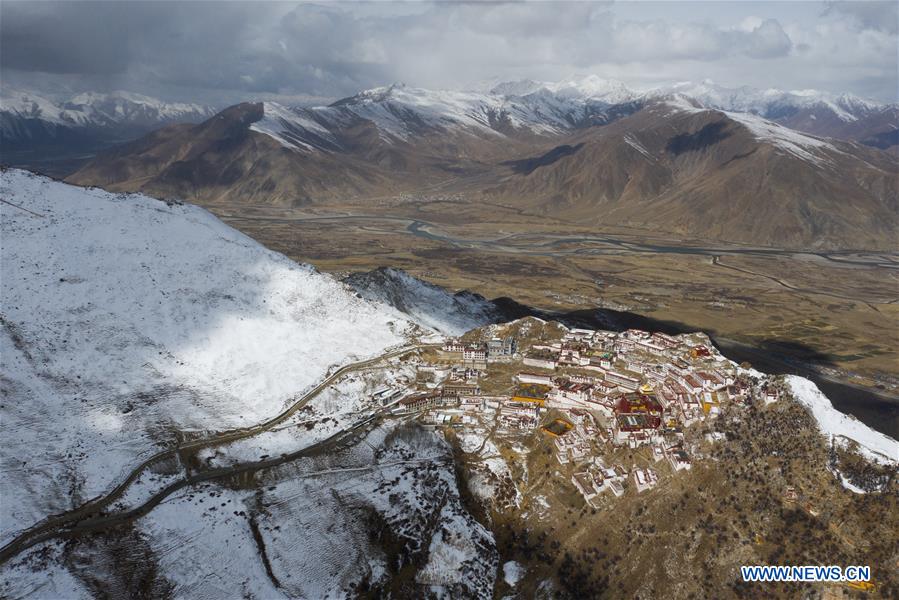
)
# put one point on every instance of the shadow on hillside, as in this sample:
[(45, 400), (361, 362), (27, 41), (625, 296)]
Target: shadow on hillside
[(595, 318), (709, 135), (526, 166)]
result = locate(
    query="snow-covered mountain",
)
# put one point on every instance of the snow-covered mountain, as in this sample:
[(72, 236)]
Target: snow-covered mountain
[(94, 109), (100, 109), (842, 116), (130, 324), (769, 103), (154, 318), (400, 113), (33, 123), (772, 103), (666, 154), (589, 88)]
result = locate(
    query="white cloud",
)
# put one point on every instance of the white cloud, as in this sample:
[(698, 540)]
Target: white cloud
[(243, 50), (880, 15)]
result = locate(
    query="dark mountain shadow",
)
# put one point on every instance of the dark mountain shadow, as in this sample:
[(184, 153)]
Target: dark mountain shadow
[(709, 135), (791, 348), (595, 318), (883, 140), (526, 166)]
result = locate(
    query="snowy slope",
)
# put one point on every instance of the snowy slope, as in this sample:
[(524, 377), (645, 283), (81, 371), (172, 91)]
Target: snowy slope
[(427, 304), (126, 320), (315, 519), (294, 128), (798, 144), (874, 445), (314, 528), (399, 110)]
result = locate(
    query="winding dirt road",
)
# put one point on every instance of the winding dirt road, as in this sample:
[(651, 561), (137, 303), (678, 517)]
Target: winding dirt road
[(90, 517)]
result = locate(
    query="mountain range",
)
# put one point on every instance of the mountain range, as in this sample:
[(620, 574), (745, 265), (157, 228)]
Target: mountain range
[(798, 169), (695, 161), (27, 115), (32, 124)]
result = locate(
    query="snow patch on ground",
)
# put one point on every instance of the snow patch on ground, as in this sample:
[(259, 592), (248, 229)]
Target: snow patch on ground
[(632, 141), (471, 439), (41, 576), (513, 572), (453, 546), (489, 472), (849, 485)]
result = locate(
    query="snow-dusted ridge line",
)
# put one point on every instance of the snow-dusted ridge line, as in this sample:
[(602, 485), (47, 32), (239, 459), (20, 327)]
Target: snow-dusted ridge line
[(293, 129), (798, 144), (398, 112), (93, 109), (746, 99)]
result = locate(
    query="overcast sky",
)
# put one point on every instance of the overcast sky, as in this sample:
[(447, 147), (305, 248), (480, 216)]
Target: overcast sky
[(224, 52)]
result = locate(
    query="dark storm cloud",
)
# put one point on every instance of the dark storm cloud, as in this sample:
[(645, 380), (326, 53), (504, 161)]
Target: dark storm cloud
[(233, 50), (68, 37)]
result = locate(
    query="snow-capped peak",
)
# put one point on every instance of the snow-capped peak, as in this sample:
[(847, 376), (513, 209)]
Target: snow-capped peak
[(593, 87), (31, 105), (100, 109), (771, 101), (590, 87), (521, 87)]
